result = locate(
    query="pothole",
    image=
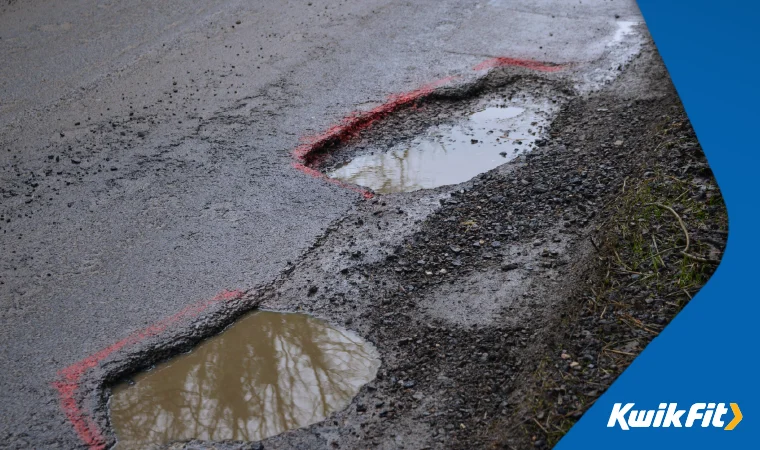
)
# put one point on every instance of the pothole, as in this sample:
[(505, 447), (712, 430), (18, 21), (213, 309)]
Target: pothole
[(486, 136), (268, 373)]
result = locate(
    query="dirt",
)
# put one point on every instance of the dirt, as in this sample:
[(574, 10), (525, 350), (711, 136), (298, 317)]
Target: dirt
[(474, 294), (656, 245)]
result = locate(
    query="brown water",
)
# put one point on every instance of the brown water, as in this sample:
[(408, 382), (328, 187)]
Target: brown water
[(268, 373), (494, 134)]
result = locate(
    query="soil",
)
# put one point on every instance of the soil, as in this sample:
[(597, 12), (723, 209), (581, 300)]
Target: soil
[(503, 307)]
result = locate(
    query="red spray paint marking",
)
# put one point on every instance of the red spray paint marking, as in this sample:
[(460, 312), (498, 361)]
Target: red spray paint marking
[(350, 127), (526, 63), (68, 385)]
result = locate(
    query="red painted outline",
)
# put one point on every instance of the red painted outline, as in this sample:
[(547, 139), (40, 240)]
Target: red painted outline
[(68, 385), (350, 126), (525, 63)]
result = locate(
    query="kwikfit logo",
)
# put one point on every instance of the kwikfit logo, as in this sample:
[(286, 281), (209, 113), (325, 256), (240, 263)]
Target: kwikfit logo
[(668, 415)]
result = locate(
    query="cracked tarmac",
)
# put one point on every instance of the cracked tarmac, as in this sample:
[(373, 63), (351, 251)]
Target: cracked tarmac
[(135, 186)]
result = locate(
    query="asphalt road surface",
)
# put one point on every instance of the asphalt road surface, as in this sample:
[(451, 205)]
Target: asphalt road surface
[(146, 151)]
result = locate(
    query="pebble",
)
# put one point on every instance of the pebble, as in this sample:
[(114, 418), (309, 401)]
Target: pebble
[(509, 266)]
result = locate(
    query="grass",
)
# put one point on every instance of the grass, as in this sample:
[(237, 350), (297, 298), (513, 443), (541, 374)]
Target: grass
[(657, 244)]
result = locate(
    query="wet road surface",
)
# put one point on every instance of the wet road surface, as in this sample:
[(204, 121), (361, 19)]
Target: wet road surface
[(145, 151)]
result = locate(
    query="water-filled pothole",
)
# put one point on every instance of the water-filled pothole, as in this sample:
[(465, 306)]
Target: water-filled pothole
[(268, 373), (494, 133)]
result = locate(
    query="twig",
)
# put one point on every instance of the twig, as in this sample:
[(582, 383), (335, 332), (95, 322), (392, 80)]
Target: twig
[(541, 426), (680, 221), (682, 194), (700, 259), (622, 263), (662, 253), (644, 278), (624, 341), (639, 324), (715, 243), (619, 352), (654, 241), (675, 179), (591, 238)]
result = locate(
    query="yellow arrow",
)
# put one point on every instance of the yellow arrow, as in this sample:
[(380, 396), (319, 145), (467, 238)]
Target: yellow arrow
[(737, 417)]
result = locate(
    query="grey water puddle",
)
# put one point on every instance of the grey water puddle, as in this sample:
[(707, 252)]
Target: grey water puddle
[(496, 132), (268, 373)]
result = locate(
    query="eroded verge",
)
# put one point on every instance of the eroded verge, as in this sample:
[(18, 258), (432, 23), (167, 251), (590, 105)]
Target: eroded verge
[(659, 240)]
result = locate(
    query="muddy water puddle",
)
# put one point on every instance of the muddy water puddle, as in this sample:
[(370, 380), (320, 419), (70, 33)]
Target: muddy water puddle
[(494, 133), (268, 373)]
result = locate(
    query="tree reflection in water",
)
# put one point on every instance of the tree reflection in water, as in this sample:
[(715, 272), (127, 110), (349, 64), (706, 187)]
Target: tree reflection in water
[(449, 154), (268, 373)]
